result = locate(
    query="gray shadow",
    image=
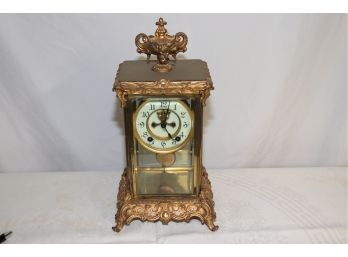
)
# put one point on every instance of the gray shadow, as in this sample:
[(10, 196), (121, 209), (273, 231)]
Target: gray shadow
[(207, 113), (117, 115)]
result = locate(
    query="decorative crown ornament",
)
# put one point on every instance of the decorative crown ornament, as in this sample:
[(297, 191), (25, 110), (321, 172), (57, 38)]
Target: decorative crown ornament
[(162, 45)]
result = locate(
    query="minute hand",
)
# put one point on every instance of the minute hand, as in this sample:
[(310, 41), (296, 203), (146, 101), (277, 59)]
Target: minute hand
[(168, 112), (168, 133)]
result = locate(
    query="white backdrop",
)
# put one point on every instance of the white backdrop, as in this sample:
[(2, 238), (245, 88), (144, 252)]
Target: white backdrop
[(280, 98)]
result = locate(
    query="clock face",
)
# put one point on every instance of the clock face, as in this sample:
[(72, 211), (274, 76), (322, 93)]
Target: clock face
[(163, 125)]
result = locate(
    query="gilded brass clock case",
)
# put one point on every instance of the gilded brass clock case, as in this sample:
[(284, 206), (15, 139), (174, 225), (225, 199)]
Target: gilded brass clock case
[(185, 79)]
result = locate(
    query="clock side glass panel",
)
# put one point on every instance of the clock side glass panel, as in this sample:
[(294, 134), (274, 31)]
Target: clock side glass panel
[(163, 146)]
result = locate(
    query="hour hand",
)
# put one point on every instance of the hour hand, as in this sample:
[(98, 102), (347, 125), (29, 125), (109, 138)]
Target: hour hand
[(172, 124), (154, 124)]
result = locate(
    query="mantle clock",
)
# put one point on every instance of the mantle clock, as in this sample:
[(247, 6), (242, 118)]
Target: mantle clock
[(163, 104)]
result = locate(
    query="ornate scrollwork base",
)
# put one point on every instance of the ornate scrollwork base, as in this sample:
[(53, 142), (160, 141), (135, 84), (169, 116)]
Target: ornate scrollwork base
[(174, 209)]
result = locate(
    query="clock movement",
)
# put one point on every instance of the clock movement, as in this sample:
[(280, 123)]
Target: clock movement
[(163, 103)]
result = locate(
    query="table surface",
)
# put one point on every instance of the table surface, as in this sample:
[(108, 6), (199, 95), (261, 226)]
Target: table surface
[(276, 205)]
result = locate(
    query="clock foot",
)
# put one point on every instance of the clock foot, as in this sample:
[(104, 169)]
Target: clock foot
[(211, 226), (118, 227), (165, 210)]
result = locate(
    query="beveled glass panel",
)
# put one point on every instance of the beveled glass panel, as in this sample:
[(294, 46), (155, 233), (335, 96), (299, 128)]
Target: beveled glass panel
[(164, 182), (153, 178)]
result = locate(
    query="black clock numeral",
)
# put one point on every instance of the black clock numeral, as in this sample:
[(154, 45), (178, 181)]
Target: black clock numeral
[(186, 124), (164, 103), (145, 134), (152, 107), (145, 114), (163, 144), (174, 142), (174, 107), (182, 114), (141, 124), (182, 134)]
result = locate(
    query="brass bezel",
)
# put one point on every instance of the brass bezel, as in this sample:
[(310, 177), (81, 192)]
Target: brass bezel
[(156, 150)]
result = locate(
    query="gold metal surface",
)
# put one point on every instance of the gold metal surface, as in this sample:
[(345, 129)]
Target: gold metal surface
[(176, 191), (165, 159), (190, 77), (166, 169), (184, 70), (163, 87), (165, 209), (162, 45)]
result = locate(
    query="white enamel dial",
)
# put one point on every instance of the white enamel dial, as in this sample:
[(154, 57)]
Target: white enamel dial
[(163, 125)]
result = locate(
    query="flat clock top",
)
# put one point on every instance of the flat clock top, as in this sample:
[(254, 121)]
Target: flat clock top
[(183, 70)]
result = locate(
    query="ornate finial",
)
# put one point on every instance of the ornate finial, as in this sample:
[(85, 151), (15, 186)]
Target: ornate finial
[(161, 30), (162, 45)]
